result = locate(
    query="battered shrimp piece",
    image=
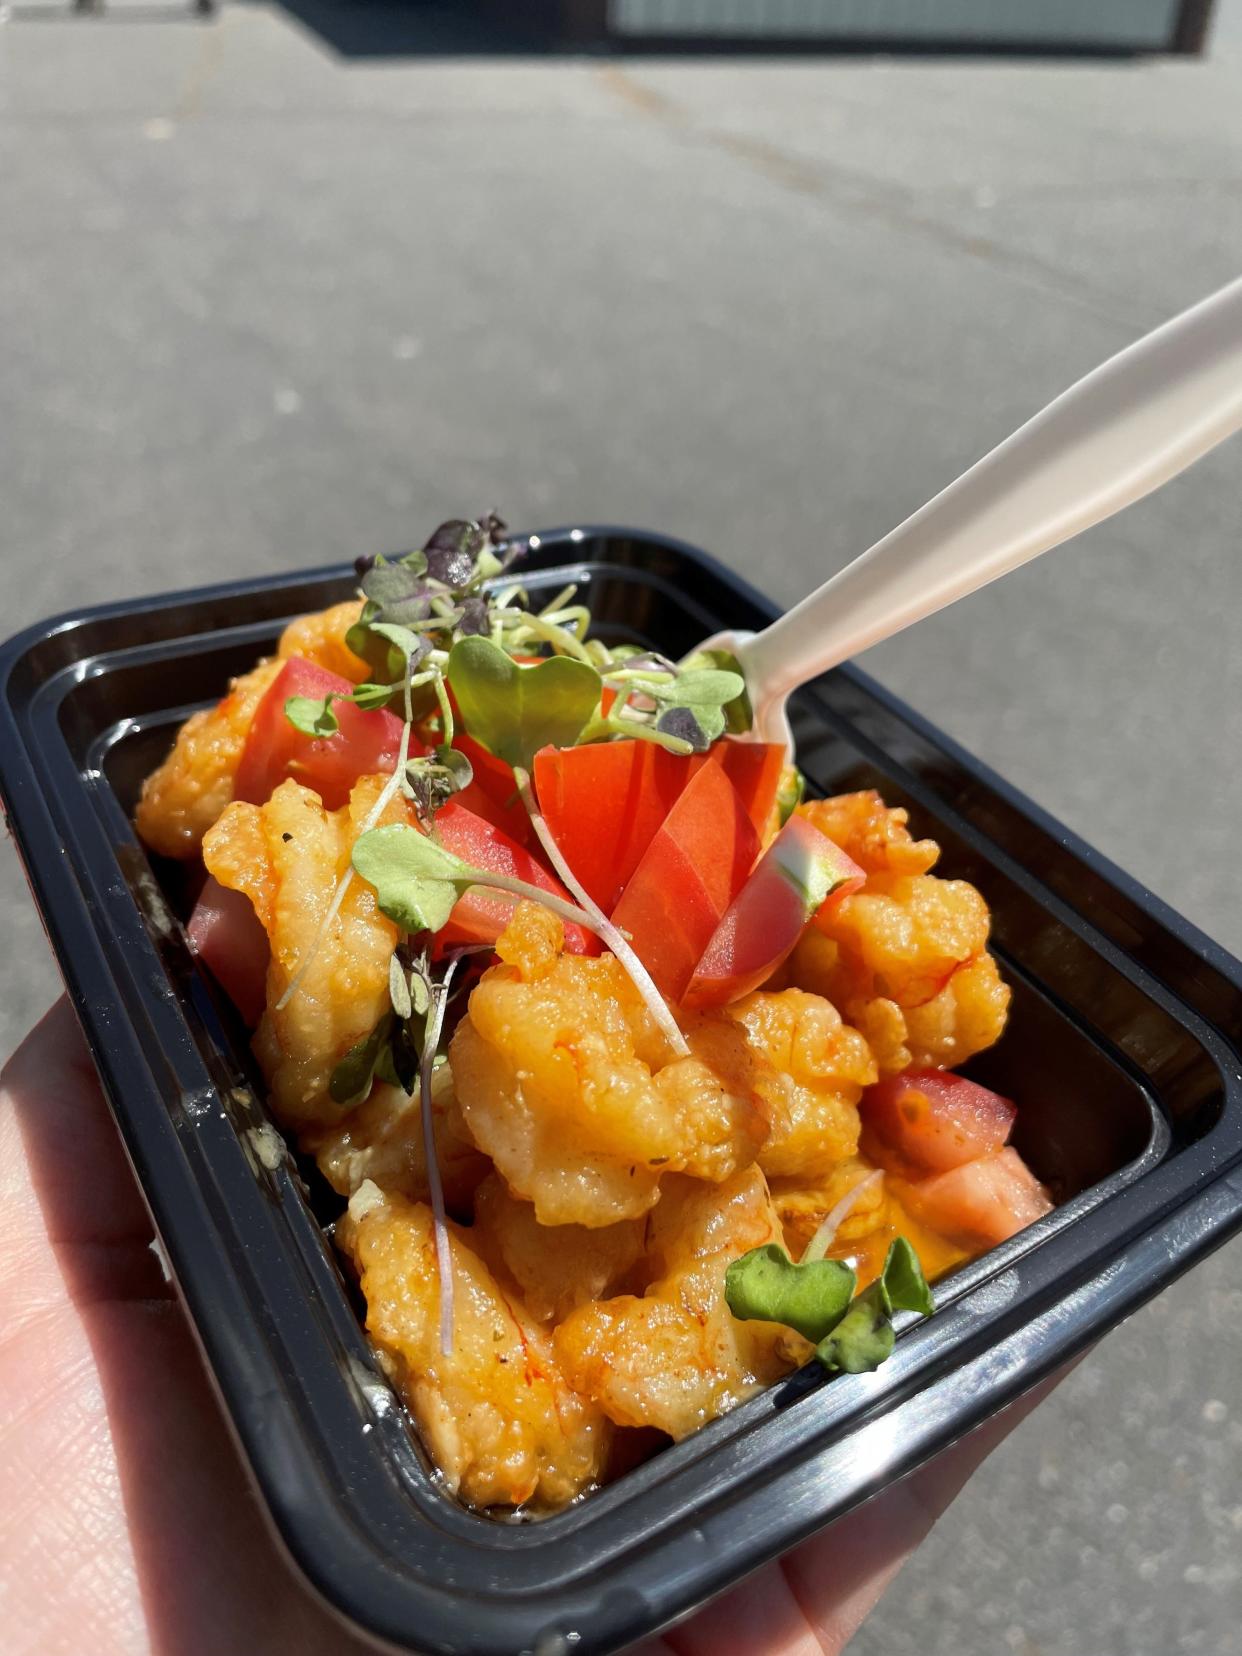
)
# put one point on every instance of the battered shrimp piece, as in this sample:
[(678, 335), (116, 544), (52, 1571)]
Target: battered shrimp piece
[(495, 1413), (802, 1204), (287, 856), (382, 1140), (676, 1356), (818, 1068), (182, 799), (967, 1016), (564, 1080), (874, 835), (557, 1267), (321, 638)]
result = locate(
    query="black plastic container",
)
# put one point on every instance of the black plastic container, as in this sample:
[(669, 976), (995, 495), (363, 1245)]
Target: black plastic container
[(1122, 1050)]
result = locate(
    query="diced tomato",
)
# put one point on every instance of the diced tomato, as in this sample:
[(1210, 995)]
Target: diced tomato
[(605, 801), (795, 877), (695, 865), (365, 744), (481, 915), (935, 1121), (983, 1201), (493, 792), (228, 937)]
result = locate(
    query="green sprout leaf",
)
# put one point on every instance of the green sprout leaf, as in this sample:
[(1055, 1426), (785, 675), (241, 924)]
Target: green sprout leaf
[(409, 644), (399, 989), (416, 881), (370, 696), (739, 715), (514, 711), (351, 1080), (700, 687), (863, 1338), (312, 716), (766, 1284)]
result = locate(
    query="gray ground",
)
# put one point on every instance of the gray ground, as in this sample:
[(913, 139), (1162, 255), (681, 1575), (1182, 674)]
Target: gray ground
[(265, 304)]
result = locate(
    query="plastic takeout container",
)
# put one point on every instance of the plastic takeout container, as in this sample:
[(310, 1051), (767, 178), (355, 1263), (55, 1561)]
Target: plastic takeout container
[(1122, 1051)]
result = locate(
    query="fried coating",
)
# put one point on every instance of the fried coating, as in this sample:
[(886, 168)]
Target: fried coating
[(382, 1140), (802, 1204), (863, 1236), (564, 1080), (870, 833), (321, 638), (903, 936), (966, 1016), (495, 1414), (182, 799), (818, 1067), (675, 1356), (556, 1267), (288, 856)]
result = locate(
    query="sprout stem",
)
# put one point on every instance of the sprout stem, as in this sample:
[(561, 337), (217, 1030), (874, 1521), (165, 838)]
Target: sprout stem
[(820, 1243), (600, 923)]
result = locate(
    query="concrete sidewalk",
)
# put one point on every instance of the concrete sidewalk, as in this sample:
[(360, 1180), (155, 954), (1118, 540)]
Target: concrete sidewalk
[(264, 304)]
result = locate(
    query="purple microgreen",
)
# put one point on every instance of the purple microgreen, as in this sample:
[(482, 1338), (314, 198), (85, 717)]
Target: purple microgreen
[(682, 723), (474, 621)]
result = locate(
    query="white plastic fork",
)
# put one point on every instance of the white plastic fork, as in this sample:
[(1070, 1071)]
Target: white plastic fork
[(1126, 428)]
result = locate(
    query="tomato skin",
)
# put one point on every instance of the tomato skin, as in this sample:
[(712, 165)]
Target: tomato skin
[(935, 1121), (228, 937), (695, 865), (985, 1201), (493, 792), (481, 915), (604, 802), (367, 744), (769, 913)]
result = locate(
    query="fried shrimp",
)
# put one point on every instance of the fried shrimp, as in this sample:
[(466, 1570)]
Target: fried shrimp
[(288, 856), (966, 1016), (817, 1068), (321, 638), (382, 1140), (557, 1267), (871, 833), (675, 1356), (496, 1414), (564, 1080), (183, 798)]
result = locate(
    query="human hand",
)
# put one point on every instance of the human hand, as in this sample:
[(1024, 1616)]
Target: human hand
[(127, 1524)]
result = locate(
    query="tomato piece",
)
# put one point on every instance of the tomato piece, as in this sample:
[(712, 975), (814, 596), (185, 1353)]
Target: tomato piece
[(228, 937), (795, 877), (605, 801), (693, 868), (367, 743), (983, 1201), (481, 915), (493, 792), (935, 1121)]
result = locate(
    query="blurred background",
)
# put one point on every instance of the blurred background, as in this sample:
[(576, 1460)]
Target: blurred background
[(282, 284)]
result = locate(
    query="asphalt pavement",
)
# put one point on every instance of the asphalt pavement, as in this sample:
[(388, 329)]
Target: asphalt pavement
[(287, 286)]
